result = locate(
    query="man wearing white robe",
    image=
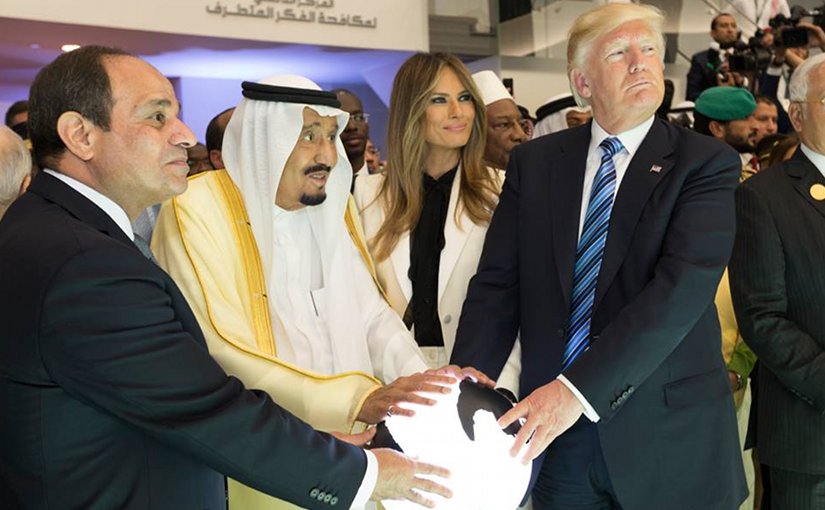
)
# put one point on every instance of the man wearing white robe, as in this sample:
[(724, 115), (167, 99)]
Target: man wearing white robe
[(277, 272)]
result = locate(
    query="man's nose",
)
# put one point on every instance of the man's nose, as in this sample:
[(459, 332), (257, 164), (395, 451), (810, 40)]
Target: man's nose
[(519, 135), (327, 154), (350, 125), (635, 58), (182, 135)]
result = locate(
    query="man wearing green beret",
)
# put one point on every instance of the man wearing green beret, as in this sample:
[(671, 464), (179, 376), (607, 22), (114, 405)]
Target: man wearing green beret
[(726, 113)]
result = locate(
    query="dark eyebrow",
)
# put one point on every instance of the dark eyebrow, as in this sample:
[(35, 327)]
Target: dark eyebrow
[(437, 93), (159, 102)]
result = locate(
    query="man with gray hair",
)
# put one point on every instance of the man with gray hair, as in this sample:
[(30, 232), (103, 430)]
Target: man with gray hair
[(778, 288), (604, 255), (15, 168)]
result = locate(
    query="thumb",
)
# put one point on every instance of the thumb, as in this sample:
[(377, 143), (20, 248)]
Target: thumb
[(359, 439)]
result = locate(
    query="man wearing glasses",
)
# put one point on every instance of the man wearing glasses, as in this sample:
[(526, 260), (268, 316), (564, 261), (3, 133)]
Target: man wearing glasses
[(505, 124), (778, 284), (356, 134)]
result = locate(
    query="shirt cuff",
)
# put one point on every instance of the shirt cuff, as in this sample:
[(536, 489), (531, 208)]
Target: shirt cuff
[(591, 413), (368, 483)]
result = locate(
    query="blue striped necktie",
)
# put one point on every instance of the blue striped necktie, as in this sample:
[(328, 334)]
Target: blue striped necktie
[(589, 252)]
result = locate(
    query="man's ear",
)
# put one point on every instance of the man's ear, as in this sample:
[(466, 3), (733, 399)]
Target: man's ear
[(77, 133), (24, 185), (716, 129), (796, 116), (581, 84), (216, 159)]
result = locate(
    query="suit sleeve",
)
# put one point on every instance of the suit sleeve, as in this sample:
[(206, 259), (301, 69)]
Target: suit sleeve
[(694, 252), (695, 79), (111, 336), (489, 321), (760, 300)]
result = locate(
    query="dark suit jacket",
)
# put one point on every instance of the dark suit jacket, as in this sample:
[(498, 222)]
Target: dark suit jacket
[(702, 73), (654, 372), (108, 396), (777, 277)]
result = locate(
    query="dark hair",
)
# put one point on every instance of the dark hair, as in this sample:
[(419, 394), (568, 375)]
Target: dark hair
[(762, 98), (215, 131), (16, 108), (716, 18), (779, 149), (75, 81)]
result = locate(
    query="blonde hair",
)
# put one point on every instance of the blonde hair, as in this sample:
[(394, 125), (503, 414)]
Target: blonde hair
[(401, 193), (600, 21)]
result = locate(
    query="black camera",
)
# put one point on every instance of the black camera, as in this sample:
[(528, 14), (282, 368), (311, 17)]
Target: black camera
[(788, 34), (749, 57)]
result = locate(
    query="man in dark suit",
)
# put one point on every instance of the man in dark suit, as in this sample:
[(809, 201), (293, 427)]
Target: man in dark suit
[(604, 254), (709, 68), (778, 287), (109, 397)]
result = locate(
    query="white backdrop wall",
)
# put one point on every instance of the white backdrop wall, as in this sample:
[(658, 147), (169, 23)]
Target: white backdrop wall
[(396, 24)]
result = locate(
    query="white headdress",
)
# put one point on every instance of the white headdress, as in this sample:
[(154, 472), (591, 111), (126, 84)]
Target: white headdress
[(552, 115), (490, 87)]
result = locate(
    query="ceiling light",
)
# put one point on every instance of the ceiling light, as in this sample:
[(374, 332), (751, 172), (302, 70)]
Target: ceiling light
[(69, 47)]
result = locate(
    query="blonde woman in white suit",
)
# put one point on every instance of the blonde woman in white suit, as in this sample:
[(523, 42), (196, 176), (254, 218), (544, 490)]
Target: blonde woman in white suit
[(427, 215)]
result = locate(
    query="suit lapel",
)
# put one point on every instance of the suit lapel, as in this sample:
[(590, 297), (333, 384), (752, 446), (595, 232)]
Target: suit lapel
[(455, 237), (566, 174), (805, 176), (635, 189), (57, 191)]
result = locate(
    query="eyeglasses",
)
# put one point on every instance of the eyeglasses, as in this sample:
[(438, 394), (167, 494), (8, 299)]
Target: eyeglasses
[(360, 117)]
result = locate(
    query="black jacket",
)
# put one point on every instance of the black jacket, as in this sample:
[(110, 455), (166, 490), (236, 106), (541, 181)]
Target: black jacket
[(109, 396)]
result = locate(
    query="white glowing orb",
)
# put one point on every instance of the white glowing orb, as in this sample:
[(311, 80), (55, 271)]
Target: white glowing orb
[(483, 474)]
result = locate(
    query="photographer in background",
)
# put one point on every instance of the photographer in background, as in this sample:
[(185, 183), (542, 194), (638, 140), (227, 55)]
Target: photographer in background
[(791, 46), (757, 13), (709, 68)]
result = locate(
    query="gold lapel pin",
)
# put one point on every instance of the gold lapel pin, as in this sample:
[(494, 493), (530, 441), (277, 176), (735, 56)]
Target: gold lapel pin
[(818, 192), (655, 169)]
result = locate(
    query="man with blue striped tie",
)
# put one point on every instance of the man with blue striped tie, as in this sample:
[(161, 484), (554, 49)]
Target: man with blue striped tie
[(604, 255)]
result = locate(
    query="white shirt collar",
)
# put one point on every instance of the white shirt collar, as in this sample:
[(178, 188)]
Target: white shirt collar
[(816, 158), (111, 209), (631, 139), (364, 170)]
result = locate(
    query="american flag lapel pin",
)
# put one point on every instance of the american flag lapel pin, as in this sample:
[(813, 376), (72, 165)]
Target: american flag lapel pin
[(656, 169)]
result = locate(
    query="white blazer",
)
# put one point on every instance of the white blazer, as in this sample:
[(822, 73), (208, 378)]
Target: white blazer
[(464, 241)]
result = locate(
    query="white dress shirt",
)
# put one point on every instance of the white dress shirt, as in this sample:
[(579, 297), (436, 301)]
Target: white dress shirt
[(631, 140), (111, 209)]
